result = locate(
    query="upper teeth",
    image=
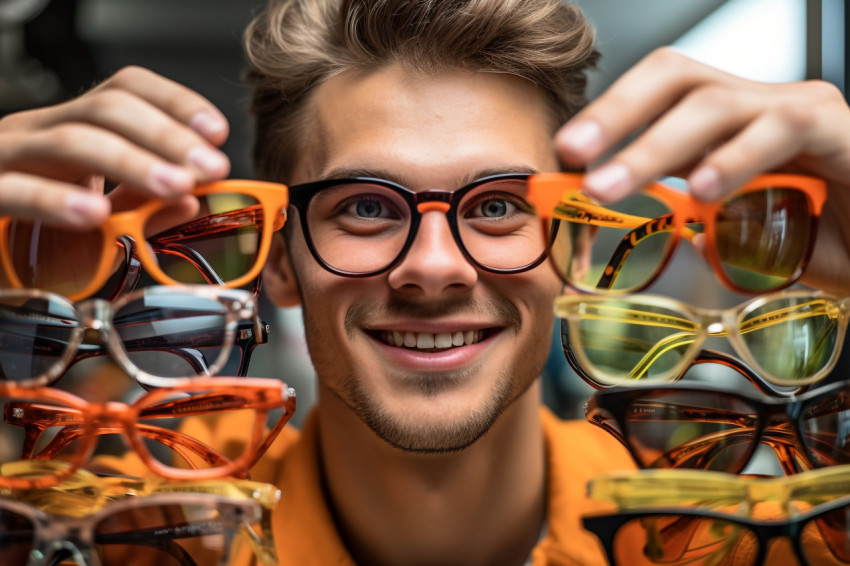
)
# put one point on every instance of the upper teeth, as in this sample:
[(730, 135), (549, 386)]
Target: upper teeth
[(428, 341)]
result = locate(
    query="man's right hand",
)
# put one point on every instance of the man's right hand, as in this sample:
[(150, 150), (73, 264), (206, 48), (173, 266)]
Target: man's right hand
[(150, 135)]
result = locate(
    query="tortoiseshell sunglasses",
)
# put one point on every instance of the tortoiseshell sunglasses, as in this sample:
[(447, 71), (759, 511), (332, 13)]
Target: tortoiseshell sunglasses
[(758, 239)]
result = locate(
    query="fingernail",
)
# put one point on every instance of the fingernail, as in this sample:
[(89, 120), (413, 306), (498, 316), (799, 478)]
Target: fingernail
[(584, 137), (611, 182), (87, 208), (165, 179), (207, 124), (705, 183), (207, 160)]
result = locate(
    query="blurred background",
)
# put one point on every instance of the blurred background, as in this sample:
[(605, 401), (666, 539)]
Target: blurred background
[(51, 50)]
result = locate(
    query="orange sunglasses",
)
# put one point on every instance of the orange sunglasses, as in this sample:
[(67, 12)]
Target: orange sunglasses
[(758, 239), (49, 424), (225, 240)]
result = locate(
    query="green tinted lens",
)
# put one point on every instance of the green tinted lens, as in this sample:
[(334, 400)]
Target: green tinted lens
[(792, 338), (763, 237), (625, 340), (620, 246), (218, 245), (681, 539)]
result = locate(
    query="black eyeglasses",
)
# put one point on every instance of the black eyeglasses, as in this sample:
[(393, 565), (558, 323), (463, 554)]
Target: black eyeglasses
[(700, 427), (683, 535), (361, 226)]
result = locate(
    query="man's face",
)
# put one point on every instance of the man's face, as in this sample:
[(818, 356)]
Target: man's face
[(437, 131)]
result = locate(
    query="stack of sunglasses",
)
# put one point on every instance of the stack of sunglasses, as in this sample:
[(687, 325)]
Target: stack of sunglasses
[(635, 348), (179, 496)]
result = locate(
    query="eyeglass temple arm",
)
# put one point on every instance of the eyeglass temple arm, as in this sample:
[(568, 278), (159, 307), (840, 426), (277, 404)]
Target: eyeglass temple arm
[(161, 537), (211, 224)]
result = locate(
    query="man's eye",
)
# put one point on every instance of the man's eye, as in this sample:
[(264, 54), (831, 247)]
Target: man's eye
[(494, 208), (369, 208)]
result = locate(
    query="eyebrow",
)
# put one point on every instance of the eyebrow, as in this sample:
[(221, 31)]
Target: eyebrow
[(345, 172)]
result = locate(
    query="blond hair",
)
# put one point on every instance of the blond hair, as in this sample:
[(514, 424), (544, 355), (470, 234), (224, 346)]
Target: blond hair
[(294, 45)]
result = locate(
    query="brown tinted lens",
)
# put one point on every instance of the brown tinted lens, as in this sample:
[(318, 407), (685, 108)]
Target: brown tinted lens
[(826, 539), (220, 243), (681, 539), (619, 246), (53, 259), (826, 430), (763, 237), (498, 227), (358, 227), (694, 429)]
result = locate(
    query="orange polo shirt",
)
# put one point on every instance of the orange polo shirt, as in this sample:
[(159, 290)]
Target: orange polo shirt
[(306, 535)]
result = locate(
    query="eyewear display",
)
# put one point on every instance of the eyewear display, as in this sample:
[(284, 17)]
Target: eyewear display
[(757, 240), (361, 226), (698, 427), (154, 334), (49, 424), (171, 525), (700, 537), (656, 488), (229, 234), (790, 338)]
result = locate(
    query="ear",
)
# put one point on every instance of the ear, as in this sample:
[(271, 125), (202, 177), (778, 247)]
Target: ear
[(278, 276)]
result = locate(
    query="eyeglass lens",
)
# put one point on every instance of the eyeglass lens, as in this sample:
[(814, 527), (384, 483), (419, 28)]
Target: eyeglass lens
[(362, 228)]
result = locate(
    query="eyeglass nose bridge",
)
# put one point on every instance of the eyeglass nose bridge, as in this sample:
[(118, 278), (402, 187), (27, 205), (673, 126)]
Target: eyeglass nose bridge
[(429, 201)]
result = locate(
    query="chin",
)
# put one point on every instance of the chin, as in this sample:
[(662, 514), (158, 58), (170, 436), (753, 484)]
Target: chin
[(436, 420)]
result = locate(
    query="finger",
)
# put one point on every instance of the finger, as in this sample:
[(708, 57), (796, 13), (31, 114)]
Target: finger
[(72, 151), (633, 101), (53, 202), (704, 118), (179, 210), (183, 104), (767, 143), (146, 125)]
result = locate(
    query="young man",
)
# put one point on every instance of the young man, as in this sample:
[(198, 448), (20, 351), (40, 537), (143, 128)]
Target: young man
[(418, 453)]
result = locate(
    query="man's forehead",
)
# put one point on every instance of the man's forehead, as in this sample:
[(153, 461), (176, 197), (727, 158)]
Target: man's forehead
[(404, 125)]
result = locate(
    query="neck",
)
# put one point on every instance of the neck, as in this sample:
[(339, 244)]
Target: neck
[(482, 505)]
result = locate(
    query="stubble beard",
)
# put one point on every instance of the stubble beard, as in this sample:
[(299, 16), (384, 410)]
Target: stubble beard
[(436, 435)]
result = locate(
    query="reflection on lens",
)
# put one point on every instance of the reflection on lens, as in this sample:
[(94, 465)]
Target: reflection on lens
[(681, 539), (219, 245), (694, 430), (34, 335), (618, 246), (498, 227), (358, 228), (826, 430), (763, 236), (164, 535), (40, 258), (826, 539), (792, 338), (626, 340), (175, 335), (16, 537)]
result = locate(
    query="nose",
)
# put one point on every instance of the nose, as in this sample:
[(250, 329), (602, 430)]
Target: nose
[(434, 264)]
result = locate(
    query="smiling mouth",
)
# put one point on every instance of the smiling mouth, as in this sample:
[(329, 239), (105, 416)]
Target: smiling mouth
[(429, 342)]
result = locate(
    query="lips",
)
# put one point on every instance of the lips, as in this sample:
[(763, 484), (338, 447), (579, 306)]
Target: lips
[(432, 342)]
